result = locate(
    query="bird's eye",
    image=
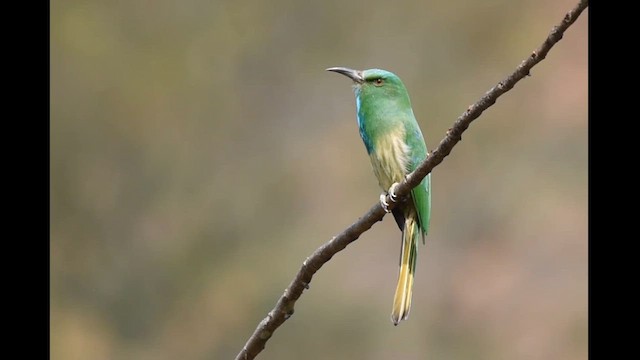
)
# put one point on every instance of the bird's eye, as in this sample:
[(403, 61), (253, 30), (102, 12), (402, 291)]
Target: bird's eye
[(378, 82)]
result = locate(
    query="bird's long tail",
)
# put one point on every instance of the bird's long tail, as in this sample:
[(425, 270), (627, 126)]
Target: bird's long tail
[(408, 257)]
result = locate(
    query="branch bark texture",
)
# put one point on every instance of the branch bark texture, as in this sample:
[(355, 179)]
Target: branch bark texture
[(285, 306)]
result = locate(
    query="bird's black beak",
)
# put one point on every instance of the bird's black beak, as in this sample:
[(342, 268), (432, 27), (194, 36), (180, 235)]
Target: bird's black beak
[(355, 75)]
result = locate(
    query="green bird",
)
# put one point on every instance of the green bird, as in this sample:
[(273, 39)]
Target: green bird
[(396, 147)]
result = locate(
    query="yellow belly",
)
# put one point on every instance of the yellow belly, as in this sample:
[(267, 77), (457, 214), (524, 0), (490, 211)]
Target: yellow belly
[(390, 158)]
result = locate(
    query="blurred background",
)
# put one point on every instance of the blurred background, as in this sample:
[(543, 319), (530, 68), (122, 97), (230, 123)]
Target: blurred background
[(200, 152)]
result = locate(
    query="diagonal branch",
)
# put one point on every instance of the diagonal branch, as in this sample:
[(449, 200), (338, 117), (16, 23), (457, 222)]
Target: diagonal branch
[(284, 307)]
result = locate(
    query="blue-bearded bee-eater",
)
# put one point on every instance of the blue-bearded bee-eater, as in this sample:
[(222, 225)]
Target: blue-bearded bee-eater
[(396, 147)]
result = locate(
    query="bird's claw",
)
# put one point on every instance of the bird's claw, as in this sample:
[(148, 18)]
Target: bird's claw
[(392, 192), (392, 197), (384, 203)]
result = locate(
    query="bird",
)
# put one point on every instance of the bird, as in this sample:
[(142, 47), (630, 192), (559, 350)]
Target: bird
[(396, 146)]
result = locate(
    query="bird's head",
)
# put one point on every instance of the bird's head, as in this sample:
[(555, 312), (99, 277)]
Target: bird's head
[(375, 84)]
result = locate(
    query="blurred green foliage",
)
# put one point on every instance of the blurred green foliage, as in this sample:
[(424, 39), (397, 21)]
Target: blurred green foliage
[(199, 153)]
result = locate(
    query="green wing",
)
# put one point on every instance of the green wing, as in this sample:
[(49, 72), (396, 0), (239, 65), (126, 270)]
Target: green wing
[(422, 200), (421, 194)]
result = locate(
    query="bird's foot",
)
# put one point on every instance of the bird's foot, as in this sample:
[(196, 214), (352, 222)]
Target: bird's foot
[(384, 203), (392, 191), (392, 197)]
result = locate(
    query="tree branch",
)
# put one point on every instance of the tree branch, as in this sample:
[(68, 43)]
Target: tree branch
[(285, 306)]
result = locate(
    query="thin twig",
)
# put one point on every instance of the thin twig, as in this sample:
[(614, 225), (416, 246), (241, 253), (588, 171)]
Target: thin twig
[(284, 307)]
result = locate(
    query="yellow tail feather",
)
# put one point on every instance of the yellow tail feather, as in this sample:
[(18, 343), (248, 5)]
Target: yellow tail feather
[(408, 255)]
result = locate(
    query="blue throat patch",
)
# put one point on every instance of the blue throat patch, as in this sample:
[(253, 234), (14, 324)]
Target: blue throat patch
[(361, 123)]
